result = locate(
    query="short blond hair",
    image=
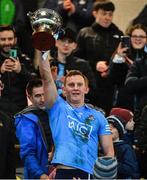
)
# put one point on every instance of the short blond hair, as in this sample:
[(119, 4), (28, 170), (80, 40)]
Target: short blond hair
[(74, 73)]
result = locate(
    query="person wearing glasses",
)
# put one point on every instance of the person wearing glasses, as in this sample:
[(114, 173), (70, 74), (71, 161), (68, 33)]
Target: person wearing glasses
[(129, 73), (136, 78), (124, 59), (136, 83)]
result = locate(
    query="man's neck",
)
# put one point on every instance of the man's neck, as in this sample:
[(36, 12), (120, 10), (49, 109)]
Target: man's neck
[(75, 105)]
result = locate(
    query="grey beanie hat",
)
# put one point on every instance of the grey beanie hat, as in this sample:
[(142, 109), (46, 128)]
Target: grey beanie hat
[(105, 168)]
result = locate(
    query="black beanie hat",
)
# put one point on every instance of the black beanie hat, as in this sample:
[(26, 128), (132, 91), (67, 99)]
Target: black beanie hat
[(68, 33)]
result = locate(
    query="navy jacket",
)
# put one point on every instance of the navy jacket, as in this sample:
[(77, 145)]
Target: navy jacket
[(127, 162)]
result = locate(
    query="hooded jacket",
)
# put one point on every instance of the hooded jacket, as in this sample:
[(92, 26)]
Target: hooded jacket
[(33, 146)]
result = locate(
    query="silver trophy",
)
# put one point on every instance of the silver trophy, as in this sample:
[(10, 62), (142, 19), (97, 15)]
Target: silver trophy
[(46, 24)]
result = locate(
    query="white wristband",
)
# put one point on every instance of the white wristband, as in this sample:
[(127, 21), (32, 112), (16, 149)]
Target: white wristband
[(45, 55), (118, 59)]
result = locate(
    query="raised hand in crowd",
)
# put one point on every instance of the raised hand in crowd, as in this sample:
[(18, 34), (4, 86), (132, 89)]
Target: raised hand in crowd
[(69, 6), (102, 67), (122, 56)]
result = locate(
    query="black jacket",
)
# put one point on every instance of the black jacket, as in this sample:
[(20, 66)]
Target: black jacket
[(96, 43), (7, 151), (136, 82), (13, 98), (118, 72)]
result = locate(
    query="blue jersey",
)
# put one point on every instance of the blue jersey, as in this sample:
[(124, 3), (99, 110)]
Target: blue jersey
[(76, 134)]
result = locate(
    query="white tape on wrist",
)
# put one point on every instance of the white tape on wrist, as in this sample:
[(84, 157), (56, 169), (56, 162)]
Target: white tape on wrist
[(118, 59), (45, 55)]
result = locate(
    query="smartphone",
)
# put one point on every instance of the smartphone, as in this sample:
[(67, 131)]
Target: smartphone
[(13, 53), (125, 41)]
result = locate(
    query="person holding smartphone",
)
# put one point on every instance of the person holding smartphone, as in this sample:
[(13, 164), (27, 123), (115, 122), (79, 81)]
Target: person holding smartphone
[(15, 69), (130, 51), (11, 64)]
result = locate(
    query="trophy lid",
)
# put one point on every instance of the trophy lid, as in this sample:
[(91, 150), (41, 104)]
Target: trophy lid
[(45, 16)]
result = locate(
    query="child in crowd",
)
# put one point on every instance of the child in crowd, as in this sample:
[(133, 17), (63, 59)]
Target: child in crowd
[(126, 157), (127, 118)]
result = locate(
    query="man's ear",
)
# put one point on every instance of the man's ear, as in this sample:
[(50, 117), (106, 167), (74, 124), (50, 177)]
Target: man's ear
[(74, 46), (64, 91), (28, 96), (29, 100), (94, 13), (87, 90)]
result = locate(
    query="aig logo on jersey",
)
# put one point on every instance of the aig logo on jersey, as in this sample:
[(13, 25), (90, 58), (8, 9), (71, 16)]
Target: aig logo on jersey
[(81, 129)]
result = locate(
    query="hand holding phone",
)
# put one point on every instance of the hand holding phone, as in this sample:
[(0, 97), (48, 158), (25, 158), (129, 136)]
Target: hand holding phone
[(125, 42), (13, 53)]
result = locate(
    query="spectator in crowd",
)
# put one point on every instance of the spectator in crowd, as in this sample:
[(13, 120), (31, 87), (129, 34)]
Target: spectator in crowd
[(127, 118), (96, 44), (126, 157), (15, 72), (12, 13), (137, 74), (142, 17), (121, 63), (75, 13), (64, 60), (7, 140), (141, 143), (83, 125), (33, 132)]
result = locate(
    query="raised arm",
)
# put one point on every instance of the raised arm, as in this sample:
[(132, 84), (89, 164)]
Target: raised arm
[(50, 91)]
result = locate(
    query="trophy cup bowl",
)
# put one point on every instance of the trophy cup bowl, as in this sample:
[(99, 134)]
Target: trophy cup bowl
[(45, 24)]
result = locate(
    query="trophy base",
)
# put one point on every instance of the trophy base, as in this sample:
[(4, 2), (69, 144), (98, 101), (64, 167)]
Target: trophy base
[(43, 41)]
